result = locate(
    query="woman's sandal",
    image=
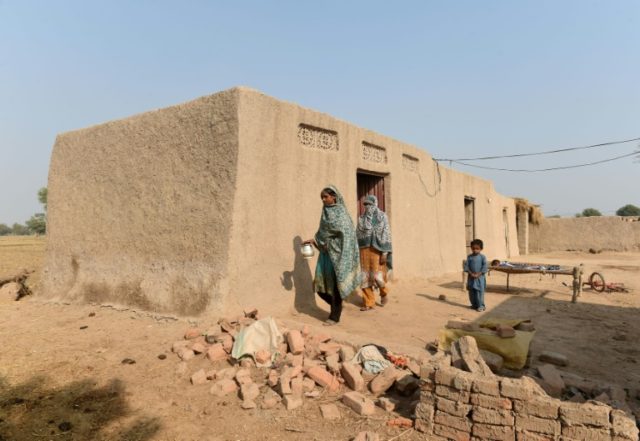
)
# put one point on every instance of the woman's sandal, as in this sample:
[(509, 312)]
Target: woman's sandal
[(384, 300), (366, 308)]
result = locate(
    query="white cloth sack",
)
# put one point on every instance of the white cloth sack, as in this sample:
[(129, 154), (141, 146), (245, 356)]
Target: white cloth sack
[(261, 335)]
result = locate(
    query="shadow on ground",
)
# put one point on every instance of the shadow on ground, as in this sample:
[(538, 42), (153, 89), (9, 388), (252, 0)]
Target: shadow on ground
[(498, 289), (600, 340), (75, 411)]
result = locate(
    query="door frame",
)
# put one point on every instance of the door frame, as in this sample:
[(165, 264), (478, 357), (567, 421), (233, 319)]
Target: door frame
[(386, 181), (472, 201)]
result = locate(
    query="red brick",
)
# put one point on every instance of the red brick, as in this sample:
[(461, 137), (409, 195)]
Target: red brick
[(520, 388), (455, 378), (386, 404), (198, 348), (227, 342), (623, 425), (587, 414), (486, 386), (249, 391), (223, 387), (296, 342), (358, 403), (273, 378), (329, 348), (192, 333), (542, 407), (490, 402), (243, 376), (401, 422), (186, 354), (323, 378), (454, 408), (497, 417), (530, 436), (296, 386), (424, 426), (263, 357), (199, 377), (459, 423), (308, 384), (425, 411), (497, 433), (330, 411), (226, 374), (178, 345), (583, 433), (352, 376), (451, 433), (452, 394), (216, 353), (537, 425), (270, 399), (383, 381), (505, 331), (292, 402)]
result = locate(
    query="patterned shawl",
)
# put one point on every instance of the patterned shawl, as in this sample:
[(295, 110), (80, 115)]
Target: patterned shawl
[(336, 236), (373, 227)]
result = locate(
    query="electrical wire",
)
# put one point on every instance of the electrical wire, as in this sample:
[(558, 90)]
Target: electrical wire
[(565, 167), (548, 152)]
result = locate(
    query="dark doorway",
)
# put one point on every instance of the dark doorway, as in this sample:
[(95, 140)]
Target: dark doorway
[(370, 184), (505, 221), (469, 221)]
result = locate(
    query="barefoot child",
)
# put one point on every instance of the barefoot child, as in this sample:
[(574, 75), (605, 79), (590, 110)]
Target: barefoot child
[(476, 267)]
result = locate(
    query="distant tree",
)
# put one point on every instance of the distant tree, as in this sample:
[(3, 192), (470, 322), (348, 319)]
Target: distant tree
[(42, 197), (589, 212), (37, 224), (555, 216), (628, 210), (4, 230), (19, 230)]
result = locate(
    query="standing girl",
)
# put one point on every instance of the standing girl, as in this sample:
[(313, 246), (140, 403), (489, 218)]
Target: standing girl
[(338, 269)]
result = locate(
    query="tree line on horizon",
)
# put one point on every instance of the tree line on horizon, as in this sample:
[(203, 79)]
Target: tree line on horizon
[(626, 210), (37, 224)]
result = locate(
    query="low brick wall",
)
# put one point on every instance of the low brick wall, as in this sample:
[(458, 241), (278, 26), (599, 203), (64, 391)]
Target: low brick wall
[(457, 405), (606, 233)]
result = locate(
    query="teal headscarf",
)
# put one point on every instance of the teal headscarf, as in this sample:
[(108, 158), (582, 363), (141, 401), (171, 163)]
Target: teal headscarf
[(336, 238)]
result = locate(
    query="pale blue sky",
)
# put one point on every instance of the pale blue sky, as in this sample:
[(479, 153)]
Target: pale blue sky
[(457, 78)]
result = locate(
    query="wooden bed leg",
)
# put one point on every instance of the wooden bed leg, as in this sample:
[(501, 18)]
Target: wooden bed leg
[(577, 281), (508, 275)]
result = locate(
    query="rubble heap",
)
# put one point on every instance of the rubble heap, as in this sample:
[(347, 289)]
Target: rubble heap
[(448, 398)]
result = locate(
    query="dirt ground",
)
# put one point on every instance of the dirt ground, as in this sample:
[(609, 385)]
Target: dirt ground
[(61, 364)]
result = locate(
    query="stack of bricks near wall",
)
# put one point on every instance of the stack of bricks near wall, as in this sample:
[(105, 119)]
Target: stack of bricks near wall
[(458, 405)]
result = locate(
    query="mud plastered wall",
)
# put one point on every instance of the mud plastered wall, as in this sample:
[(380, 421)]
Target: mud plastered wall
[(140, 208), (606, 233)]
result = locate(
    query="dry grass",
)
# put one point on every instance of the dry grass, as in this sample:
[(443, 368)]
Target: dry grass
[(535, 213), (22, 252)]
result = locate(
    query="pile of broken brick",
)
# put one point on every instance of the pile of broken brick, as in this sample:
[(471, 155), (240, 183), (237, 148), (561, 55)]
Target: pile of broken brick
[(307, 366)]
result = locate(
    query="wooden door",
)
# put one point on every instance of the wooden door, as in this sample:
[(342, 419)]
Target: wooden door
[(370, 184), (469, 221), (505, 221)]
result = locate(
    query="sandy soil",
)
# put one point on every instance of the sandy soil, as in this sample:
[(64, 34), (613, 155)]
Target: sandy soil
[(54, 370)]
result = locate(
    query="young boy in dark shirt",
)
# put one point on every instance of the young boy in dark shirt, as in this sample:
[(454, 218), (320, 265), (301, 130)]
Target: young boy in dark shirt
[(476, 268)]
